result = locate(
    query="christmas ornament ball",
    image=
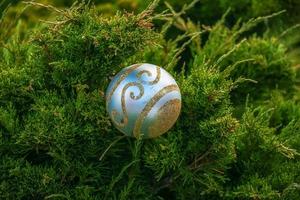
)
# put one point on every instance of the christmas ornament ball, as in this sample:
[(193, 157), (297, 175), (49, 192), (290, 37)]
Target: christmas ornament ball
[(143, 101)]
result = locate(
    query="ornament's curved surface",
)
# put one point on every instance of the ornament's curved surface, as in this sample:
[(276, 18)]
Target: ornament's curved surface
[(166, 117), (148, 107), (143, 100)]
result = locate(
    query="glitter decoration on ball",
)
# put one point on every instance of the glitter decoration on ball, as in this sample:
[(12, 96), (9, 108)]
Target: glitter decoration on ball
[(143, 101)]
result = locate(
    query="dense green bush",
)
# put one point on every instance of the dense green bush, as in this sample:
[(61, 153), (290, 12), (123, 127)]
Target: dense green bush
[(237, 136)]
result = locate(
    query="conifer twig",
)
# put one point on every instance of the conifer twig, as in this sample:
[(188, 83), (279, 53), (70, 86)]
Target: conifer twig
[(118, 178), (49, 7), (228, 53), (166, 182), (54, 23), (226, 72), (201, 157), (179, 51), (13, 22), (174, 16), (288, 30), (149, 10), (185, 8), (54, 196), (254, 21), (112, 144)]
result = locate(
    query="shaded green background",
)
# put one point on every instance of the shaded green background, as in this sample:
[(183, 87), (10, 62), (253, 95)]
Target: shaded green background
[(205, 12)]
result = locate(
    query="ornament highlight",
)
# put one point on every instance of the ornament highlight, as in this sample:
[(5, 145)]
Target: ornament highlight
[(143, 100)]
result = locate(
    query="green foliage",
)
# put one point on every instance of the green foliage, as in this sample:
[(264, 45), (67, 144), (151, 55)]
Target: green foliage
[(57, 142), (261, 63), (199, 148), (265, 168), (55, 98), (262, 60), (103, 43)]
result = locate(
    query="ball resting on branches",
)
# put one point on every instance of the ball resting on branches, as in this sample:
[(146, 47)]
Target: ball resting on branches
[(143, 101)]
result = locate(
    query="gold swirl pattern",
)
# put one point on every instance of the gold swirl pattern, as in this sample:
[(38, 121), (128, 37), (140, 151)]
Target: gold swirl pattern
[(124, 121), (158, 74), (149, 106), (143, 100), (114, 113), (122, 78)]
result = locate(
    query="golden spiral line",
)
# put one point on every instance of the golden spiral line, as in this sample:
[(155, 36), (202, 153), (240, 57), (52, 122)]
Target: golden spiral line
[(149, 106), (124, 110), (158, 72), (122, 77), (114, 113)]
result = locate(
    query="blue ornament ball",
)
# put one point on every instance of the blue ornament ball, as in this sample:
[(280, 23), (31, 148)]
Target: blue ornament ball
[(143, 101)]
